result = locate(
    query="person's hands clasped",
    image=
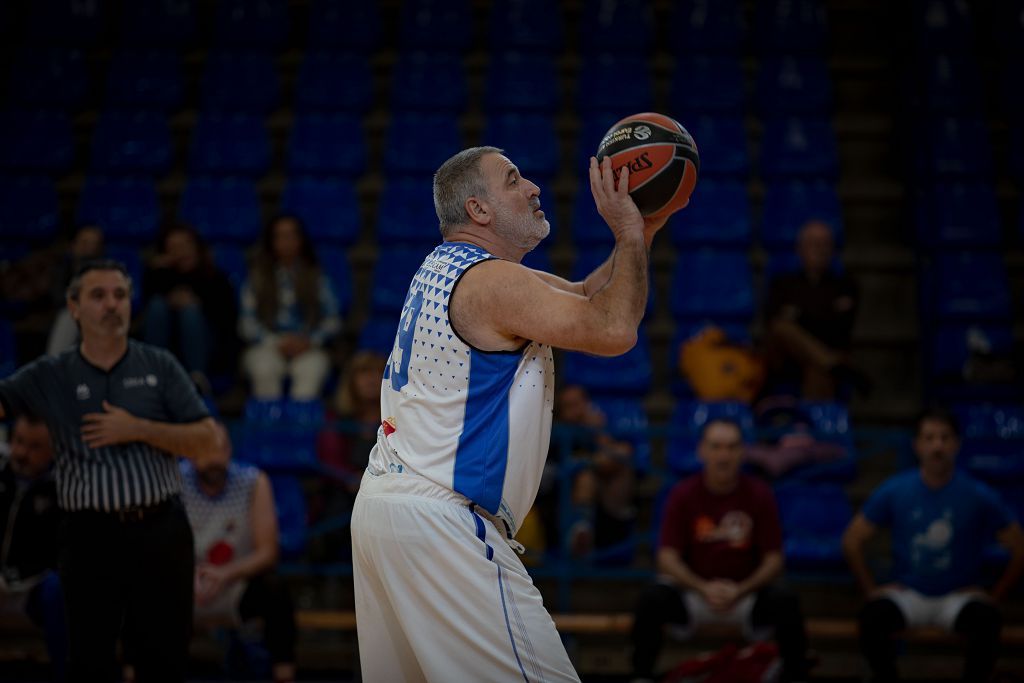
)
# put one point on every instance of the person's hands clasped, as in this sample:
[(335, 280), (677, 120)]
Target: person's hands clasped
[(111, 427), (721, 594), (614, 203), (211, 580), (291, 345)]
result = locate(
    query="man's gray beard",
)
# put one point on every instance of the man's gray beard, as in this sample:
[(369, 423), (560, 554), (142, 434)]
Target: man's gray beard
[(525, 232)]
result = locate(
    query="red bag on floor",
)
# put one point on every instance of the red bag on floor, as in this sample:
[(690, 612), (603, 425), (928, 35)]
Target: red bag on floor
[(757, 663)]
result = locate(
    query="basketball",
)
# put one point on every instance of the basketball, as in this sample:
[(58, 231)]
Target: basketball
[(662, 159)]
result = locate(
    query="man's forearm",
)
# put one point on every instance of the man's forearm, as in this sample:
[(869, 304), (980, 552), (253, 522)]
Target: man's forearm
[(624, 295), (253, 564), (767, 571), (859, 568), (1010, 576), (679, 572), (190, 440)]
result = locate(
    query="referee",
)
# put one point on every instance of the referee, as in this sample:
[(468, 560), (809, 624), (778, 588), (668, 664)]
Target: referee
[(118, 412)]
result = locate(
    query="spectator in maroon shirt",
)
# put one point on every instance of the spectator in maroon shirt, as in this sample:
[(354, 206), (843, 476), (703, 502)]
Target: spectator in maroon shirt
[(719, 552)]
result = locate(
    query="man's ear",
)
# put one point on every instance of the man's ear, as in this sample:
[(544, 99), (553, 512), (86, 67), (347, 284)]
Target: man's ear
[(478, 211), (72, 308)]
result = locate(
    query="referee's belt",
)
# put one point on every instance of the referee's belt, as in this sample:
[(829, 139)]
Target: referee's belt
[(138, 513)]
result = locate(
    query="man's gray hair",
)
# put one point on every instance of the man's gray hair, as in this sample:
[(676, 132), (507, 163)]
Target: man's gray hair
[(457, 180), (75, 286)]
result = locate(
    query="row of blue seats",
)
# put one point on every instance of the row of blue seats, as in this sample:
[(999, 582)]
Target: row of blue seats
[(947, 26), (954, 84)]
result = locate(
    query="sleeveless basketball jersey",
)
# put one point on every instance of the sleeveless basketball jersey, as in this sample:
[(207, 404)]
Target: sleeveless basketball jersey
[(473, 421), (220, 524)]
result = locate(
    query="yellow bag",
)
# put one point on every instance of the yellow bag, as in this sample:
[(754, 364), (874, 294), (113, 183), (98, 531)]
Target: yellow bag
[(719, 370)]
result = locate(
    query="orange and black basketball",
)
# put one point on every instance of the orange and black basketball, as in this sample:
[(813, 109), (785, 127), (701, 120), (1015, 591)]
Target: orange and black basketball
[(662, 159)]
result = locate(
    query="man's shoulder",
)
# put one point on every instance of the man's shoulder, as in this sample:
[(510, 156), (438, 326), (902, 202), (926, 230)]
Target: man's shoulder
[(901, 483), (686, 487), (755, 487)]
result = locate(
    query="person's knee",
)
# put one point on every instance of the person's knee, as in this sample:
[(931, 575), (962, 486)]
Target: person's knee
[(654, 602), (783, 603), (880, 616), (979, 619)]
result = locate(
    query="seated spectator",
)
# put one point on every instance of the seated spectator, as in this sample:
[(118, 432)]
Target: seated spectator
[(941, 521), (190, 305), (809, 316), (86, 244), (719, 554), (289, 313), (29, 520), (357, 404)]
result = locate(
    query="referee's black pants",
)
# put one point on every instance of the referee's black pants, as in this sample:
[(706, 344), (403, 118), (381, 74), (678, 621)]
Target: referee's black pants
[(135, 568)]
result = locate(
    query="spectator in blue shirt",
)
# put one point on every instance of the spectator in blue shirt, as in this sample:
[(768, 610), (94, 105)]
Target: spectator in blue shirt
[(941, 520)]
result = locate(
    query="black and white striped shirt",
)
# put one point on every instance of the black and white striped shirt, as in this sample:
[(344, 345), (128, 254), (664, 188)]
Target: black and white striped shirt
[(148, 382)]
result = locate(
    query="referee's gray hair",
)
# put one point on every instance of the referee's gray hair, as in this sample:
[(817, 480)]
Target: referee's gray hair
[(457, 180), (75, 286)]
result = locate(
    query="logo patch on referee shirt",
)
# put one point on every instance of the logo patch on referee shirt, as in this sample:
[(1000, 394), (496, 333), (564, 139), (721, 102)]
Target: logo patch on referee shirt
[(82, 392)]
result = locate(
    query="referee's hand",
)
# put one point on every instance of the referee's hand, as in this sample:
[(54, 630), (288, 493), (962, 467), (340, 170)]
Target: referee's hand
[(111, 427)]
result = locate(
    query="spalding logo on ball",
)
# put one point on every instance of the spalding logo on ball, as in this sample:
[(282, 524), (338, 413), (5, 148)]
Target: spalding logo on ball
[(662, 159)]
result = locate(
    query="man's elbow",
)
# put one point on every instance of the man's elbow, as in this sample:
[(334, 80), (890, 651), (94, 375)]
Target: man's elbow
[(615, 341)]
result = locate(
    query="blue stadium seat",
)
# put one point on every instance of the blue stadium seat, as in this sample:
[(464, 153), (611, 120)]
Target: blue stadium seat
[(334, 82), (222, 209), (793, 86), (439, 25), (330, 144), (145, 80), (942, 26), (227, 144), (1007, 27), (968, 285), (158, 23), (54, 77), (953, 352), (814, 517), (126, 208), (247, 24), (232, 260), (722, 142), (789, 204), (36, 141), (687, 423), (799, 148), (707, 27), (539, 259), (378, 334), (954, 147), (829, 421), (531, 25), (589, 258), (327, 206), (420, 143), (627, 420), (588, 229), (392, 275), (715, 284), (127, 142), (593, 127), (30, 208), (67, 22), (240, 81), (707, 84), (625, 375), (529, 140), (718, 215), (1016, 153), (8, 349), (945, 84), (280, 434), (626, 24), (518, 81), (993, 440), (791, 26), (955, 215), (344, 25), (631, 75), (334, 264), (290, 503), (426, 81), (406, 214)]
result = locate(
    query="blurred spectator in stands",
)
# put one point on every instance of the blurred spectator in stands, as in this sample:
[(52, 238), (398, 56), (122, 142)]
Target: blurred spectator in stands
[(289, 312), (809, 315), (941, 521), (356, 404), (719, 554), (86, 244), (29, 520), (190, 306)]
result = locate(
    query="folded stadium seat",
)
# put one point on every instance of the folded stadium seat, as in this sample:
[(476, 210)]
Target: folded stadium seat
[(327, 206), (334, 264), (968, 285), (593, 126), (48, 77), (520, 81), (813, 517), (438, 25), (240, 81), (707, 283), (707, 27), (334, 82), (231, 259), (993, 440), (344, 25), (280, 434), (687, 423), (36, 141), (830, 423), (1016, 153), (126, 208), (131, 257), (589, 258), (945, 84), (791, 27), (8, 349), (718, 215), (1011, 97), (707, 84), (625, 375), (245, 24), (144, 80), (290, 504), (420, 142), (942, 26), (30, 208), (627, 420), (951, 147), (406, 214), (229, 144), (529, 140), (222, 209), (685, 330), (158, 23), (378, 334), (328, 144), (722, 142), (588, 227), (131, 142), (529, 25), (427, 81), (799, 148), (788, 204), (631, 74), (954, 215), (958, 356), (793, 85), (392, 275), (67, 22), (625, 24)]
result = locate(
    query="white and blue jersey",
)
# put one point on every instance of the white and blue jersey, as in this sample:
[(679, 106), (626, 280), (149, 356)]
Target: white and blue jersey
[(474, 421)]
